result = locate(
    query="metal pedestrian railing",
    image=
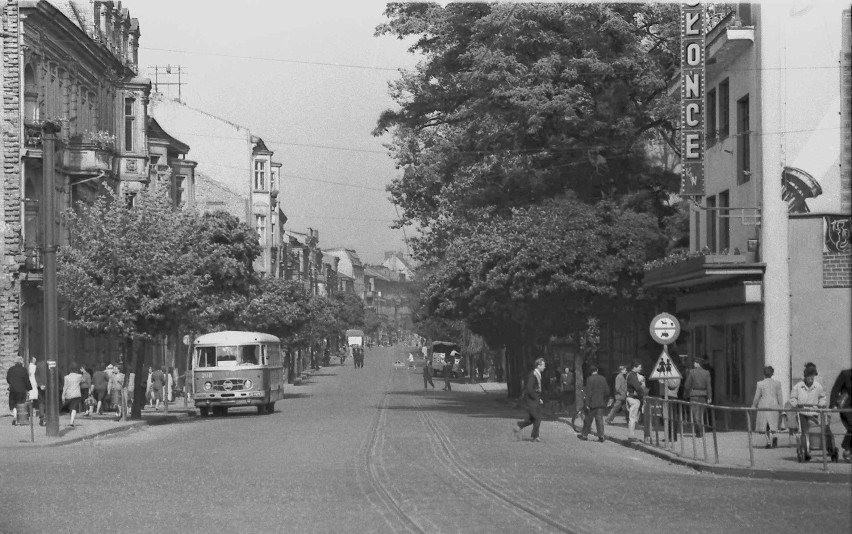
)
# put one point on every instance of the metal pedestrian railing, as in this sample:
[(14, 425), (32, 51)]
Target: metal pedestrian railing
[(678, 420)]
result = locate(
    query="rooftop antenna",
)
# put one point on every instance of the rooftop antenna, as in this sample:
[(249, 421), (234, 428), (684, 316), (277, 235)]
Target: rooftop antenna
[(169, 72)]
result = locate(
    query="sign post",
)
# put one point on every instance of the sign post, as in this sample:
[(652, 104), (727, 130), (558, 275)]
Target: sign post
[(665, 329)]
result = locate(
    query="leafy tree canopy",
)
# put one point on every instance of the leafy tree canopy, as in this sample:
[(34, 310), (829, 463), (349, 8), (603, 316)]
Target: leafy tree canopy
[(543, 271), (515, 103)]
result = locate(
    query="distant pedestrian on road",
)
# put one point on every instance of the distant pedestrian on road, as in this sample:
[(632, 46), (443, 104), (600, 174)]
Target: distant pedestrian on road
[(569, 391), (411, 360), (619, 402), (532, 402), (19, 387), (635, 396), (596, 393), (427, 375), (448, 370), (768, 395), (71, 391), (841, 398), (697, 390)]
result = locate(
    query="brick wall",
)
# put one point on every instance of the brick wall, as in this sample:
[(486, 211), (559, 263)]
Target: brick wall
[(836, 269), (10, 193)]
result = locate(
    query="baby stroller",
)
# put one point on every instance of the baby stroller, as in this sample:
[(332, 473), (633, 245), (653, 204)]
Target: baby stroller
[(813, 428)]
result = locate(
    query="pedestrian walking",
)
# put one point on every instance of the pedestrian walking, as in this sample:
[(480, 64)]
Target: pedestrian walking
[(170, 385), (620, 398), (532, 403), (427, 375), (768, 395), (100, 387), (71, 395), (85, 386), (33, 393), (115, 388), (411, 360), (149, 397), (19, 387), (697, 390), (841, 398), (635, 397), (41, 385), (158, 382), (596, 393), (448, 369)]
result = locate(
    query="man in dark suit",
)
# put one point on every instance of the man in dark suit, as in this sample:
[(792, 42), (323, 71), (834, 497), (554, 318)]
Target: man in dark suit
[(595, 395), (841, 398), (532, 402), (698, 389)]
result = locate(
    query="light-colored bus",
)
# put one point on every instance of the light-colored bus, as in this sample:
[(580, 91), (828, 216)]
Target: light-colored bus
[(237, 369)]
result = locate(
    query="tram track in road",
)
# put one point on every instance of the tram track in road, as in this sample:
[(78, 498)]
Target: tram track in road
[(486, 486), (381, 492)]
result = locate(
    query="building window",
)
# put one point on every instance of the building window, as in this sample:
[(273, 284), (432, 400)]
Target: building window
[(743, 141), (260, 225), (697, 231), (180, 190), (724, 110), (260, 175), (724, 222), (712, 134), (129, 121), (711, 224)]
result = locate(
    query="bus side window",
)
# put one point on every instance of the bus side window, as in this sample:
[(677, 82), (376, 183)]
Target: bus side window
[(249, 355)]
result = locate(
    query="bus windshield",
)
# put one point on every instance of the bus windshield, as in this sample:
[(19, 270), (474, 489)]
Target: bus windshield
[(226, 356)]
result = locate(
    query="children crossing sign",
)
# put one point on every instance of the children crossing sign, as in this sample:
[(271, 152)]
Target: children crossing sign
[(665, 368)]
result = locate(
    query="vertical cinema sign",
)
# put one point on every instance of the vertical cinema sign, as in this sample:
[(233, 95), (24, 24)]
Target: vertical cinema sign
[(692, 33)]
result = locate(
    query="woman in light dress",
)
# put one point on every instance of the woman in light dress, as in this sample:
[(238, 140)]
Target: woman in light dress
[(768, 395)]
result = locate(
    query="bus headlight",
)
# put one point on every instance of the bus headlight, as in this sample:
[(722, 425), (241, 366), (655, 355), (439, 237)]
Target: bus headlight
[(208, 386), (247, 384)]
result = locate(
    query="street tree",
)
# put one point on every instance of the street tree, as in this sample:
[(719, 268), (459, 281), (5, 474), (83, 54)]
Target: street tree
[(543, 272), (516, 103), (132, 272), (278, 307)]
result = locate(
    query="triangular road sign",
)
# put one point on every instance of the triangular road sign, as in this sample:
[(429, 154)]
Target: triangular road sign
[(665, 368)]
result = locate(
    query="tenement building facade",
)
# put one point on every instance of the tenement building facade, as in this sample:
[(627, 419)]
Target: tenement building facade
[(71, 67)]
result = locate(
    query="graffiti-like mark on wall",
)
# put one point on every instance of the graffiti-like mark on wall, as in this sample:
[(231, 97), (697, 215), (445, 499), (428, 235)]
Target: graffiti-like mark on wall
[(796, 187), (838, 233)]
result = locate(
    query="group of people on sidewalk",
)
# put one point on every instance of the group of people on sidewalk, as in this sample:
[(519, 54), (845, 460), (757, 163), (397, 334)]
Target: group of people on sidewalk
[(83, 391), (631, 392)]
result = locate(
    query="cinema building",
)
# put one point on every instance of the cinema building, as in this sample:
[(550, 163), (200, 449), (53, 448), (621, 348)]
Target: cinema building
[(767, 278)]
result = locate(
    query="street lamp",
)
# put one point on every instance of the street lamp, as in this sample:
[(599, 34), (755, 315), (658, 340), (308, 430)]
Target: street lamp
[(51, 334)]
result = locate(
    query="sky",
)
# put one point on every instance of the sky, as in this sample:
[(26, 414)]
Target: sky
[(310, 79)]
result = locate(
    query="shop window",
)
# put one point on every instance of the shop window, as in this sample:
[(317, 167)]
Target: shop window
[(734, 364)]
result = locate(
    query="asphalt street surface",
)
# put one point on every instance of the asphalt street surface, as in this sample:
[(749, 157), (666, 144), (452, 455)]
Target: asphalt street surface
[(367, 450)]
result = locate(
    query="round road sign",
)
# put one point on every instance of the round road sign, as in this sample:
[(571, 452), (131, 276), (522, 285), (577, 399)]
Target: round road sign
[(665, 329)]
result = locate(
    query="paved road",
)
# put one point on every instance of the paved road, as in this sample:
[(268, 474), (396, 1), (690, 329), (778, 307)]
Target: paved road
[(366, 450)]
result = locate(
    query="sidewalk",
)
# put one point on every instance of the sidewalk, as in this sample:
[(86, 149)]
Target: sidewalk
[(21, 437), (733, 451)]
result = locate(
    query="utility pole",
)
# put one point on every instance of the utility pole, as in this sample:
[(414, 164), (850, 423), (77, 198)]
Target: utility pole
[(51, 334), (168, 71)]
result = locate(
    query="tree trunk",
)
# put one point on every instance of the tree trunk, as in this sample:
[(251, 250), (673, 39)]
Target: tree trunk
[(140, 381)]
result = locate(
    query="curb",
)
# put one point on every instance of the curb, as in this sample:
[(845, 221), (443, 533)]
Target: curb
[(155, 421), (740, 472)]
